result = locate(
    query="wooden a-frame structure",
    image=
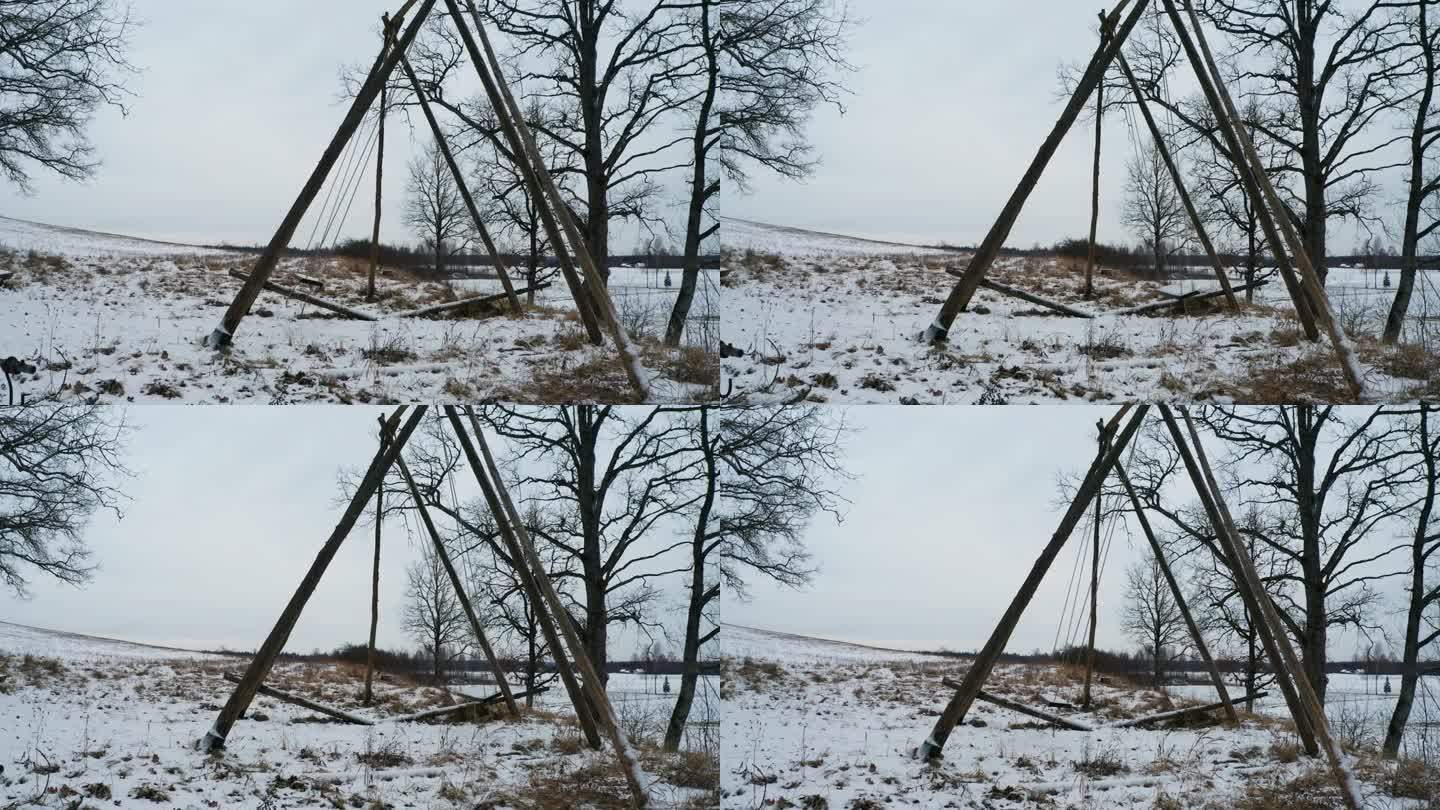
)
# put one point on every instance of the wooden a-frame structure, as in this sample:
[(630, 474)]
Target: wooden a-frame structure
[(587, 286), (1307, 293), (1304, 705), (577, 672)]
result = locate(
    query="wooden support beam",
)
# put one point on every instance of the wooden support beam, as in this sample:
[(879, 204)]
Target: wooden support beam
[(1312, 289), (290, 292), (444, 555), (1252, 598), (379, 169), (435, 309), (375, 581), (989, 249), (1288, 660), (1304, 309), (468, 704), (265, 657), (462, 186), (985, 661), (1184, 301), (635, 372), (1095, 178), (328, 711), (280, 242), (1177, 593), (1186, 712), (1094, 583), (507, 516), (1021, 708), (1032, 298), (584, 713), (1158, 138)]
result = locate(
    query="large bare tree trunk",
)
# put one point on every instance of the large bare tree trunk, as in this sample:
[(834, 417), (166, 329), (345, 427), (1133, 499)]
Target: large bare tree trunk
[(1421, 547), (698, 596)]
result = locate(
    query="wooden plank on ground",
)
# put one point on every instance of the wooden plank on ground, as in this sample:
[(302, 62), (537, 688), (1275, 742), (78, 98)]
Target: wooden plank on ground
[(289, 292), (435, 309), (1004, 703), (1032, 298), (444, 710), (329, 711), (1186, 299), (1182, 712)]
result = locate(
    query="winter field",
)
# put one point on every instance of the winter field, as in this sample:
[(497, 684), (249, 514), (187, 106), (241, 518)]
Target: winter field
[(91, 723), (836, 319), (816, 724), (105, 317)]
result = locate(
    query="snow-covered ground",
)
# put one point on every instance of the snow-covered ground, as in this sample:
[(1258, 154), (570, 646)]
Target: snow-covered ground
[(838, 319), (116, 318), (107, 723), (810, 723)]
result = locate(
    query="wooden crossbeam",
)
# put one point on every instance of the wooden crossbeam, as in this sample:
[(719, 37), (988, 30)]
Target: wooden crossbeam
[(329, 711), (1032, 298), (435, 309), (1182, 301), (468, 704), (1005, 703), (1184, 712), (315, 300)]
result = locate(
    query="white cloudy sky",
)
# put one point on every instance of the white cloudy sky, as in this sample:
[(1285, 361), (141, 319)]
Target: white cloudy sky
[(950, 103), (227, 509), (947, 514), (234, 104)]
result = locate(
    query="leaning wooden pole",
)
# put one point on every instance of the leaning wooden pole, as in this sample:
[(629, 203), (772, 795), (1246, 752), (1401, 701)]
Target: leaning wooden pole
[(1310, 282), (1094, 585), (584, 712), (1179, 595), (280, 242), (462, 186), (1251, 598), (265, 657), (496, 496), (1304, 308), (1095, 178), (1178, 180), (1289, 660), (375, 580), (599, 292), (389, 34), (549, 218), (501, 679), (985, 661), (989, 249)]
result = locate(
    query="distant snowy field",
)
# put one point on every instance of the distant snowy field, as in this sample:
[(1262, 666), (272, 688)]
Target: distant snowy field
[(811, 723), (120, 318), (115, 724), (837, 319)]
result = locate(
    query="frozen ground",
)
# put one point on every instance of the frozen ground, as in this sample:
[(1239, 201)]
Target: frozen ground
[(836, 320), (105, 317), (104, 723), (805, 728)]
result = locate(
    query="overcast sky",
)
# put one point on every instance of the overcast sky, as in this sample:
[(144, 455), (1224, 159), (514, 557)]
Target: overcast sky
[(950, 103), (235, 102), (227, 509), (950, 510)]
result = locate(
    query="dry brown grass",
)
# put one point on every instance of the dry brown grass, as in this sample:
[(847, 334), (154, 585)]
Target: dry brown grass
[(1313, 377)]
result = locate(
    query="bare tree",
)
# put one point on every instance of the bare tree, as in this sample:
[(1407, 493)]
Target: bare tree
[(1151, 617), (435, 208), (1422, 201), (1153, 208), (1424, 584), (604, 476), (59, 63), (433, 616), (1219, 192), (1323, 76), (1325, 490), (59, 463)]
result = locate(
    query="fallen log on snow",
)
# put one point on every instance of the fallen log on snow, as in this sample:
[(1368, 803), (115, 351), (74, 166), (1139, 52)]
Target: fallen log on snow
[(1184, 300), (444, 710), (1032, 298), (465, 302), (310, 281), (340, 309), (1185, 712), (1003, 703), (306, 704)]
